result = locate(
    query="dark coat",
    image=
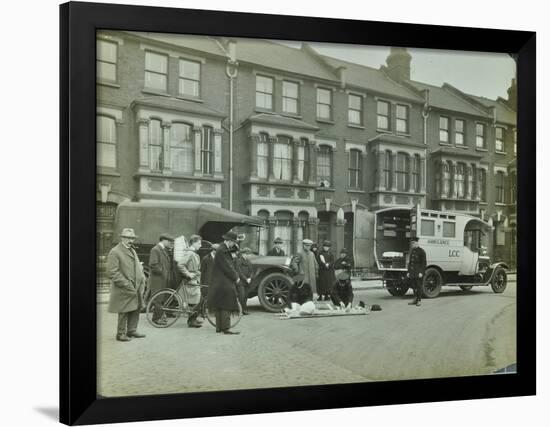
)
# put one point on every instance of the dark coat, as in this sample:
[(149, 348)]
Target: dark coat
[(162, 269), (127, 280), (344, 263), (417, 263), (326, 273), (222, 292), (273, 252), (244, 269), (300, 293), (207, 268), (342, 292)]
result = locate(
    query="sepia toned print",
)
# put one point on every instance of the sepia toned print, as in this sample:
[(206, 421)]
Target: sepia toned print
[(274, 214)]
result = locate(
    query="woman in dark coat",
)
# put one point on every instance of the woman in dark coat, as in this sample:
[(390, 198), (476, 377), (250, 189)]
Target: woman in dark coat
[(222, 292), (326, 272)]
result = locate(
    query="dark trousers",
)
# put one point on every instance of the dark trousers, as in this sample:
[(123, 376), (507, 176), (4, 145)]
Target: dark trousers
[(196, 310), (242, 294), (223, 320), (127, 322), (417, 287)]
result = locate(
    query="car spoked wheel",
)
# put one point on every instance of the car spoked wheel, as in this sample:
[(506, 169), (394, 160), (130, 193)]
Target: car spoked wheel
[(499, 281), (431, 286), (273, 292)]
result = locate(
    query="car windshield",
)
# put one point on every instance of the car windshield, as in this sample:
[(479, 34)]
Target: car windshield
[(251, 236)]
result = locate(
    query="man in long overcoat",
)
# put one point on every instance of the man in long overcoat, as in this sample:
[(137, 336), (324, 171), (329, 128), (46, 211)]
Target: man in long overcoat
[(306, 264), (222, 292), (326, 272), (207, 268), (416, 270), (161, 270), (127, 286)]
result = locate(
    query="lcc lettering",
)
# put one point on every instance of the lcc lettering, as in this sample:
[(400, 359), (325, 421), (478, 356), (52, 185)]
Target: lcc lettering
[(454, 253)]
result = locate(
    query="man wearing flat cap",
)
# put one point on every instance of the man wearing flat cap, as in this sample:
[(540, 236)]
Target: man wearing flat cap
[(305, 264), (277, 249), (127, 286), (222, 292), (161, 270)]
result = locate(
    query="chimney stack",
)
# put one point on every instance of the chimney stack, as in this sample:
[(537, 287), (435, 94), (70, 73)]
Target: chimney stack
[(513, 95), (398, 64)]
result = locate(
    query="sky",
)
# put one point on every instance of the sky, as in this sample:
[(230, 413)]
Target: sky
[(477, 73)]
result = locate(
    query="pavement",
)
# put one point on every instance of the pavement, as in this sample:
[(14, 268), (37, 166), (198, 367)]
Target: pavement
[(459, 333)]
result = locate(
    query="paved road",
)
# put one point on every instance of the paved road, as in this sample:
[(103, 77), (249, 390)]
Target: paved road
[(456, 334)]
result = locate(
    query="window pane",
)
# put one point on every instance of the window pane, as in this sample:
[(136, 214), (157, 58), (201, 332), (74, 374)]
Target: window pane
[(382, 122), (155, 135), (155, 154), (106, 129), (290, 105), (156, 62), (190, 70), (401, 125), (155, 81), (427, 227), (106, 71), (480, 129), (354, 117), (290, 90), (264, 84), (459, 139), (264, 101), (323, 111), (189, 87), (106, 51), (383, 108), (181, 152), (106, 155), (443, 123), (443, 136), (499, 133), (448, 229), (323, 96), (354, 102), (401, 111), (459, 125)]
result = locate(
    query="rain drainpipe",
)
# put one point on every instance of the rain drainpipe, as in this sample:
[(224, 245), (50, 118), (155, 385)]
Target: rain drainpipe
[(425, 117)]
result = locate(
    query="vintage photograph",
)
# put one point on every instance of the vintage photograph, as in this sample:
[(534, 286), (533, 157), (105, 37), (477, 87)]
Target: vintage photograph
[(281, 213)]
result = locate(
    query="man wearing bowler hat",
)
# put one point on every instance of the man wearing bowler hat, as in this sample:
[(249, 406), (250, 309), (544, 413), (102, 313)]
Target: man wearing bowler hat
[(305, 264), (127, 286), (222, 292), (277, 249), (416, 270)]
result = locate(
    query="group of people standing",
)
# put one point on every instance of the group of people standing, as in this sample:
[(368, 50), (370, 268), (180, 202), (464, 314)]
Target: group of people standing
[(224, 275), (316, 272)]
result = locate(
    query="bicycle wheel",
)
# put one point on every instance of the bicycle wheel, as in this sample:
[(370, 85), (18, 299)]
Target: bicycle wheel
[(234, 318), (164, 303)]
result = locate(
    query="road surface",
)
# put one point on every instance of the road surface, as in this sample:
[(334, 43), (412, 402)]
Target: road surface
[(459, 333)]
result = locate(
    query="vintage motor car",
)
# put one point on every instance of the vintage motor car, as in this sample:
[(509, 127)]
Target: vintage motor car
[(272, 274), (453, 243)]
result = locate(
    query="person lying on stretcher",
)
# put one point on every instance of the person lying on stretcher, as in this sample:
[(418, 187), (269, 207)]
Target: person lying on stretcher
[(300, 297)]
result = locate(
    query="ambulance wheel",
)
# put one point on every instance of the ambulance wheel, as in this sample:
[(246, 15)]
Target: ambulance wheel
[(431, 286), (499, 281), (273, 292), (398, 290)]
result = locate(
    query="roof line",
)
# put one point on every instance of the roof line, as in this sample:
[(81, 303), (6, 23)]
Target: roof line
[(457, 93)]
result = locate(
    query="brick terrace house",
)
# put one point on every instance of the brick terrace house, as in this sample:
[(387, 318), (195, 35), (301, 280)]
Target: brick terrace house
[(310, 143)]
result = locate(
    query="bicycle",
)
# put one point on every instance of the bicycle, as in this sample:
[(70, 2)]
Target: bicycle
[(169, 305)]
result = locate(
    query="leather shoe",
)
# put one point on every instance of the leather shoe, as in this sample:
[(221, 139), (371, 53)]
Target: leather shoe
[(413, 302), (136, 335), (228, 332), (418, 303), (123, 337)]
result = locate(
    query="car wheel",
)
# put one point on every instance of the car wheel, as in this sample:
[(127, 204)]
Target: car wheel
[(398, 290), (499, 280), (431, 285), (273, 292)]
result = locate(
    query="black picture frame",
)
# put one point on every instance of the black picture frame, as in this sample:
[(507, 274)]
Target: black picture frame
[(79, 403)]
